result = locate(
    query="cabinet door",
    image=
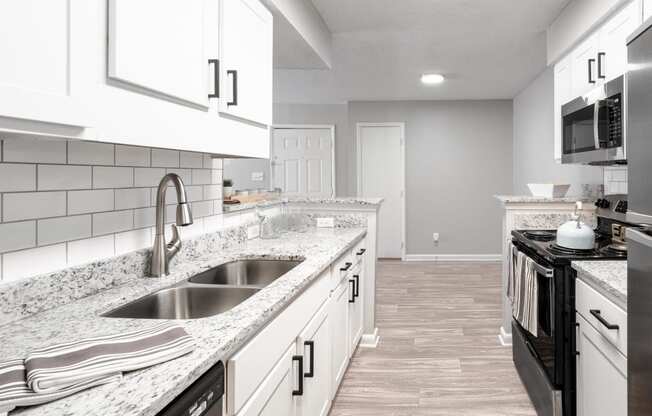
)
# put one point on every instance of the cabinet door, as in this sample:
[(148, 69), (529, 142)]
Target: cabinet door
[(314, 344), (601, 374), (246, 48), (160, 46), (612, 53), (584, 66), (647, 9), (339, 322), (40, 54), (563, 94), (274, 396), (356, 309)]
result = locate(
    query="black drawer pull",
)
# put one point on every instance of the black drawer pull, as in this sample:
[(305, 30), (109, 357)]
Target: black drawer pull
[(346, 267), (352, 298), (234, 75), (216, 75), (311, 360), (356, 291), (598, 316), (361, 252), (299, 360)]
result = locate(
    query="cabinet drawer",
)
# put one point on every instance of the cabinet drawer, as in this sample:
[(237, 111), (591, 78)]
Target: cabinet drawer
[(342, 268), (250, 365), (591, 305), (359, 251)]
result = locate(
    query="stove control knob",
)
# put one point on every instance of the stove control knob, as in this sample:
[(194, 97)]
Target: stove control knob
[(621, 207), (603, 203)]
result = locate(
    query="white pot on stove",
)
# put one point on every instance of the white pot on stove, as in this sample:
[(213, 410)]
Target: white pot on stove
[(575, 234)]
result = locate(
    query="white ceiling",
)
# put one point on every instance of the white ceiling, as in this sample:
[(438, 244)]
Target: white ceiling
[(487, 49)]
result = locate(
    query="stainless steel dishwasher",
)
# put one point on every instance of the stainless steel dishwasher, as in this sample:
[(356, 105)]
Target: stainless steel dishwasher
[(205, 397)]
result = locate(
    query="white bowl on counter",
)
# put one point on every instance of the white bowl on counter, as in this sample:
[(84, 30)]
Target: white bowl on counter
[(548, 190)]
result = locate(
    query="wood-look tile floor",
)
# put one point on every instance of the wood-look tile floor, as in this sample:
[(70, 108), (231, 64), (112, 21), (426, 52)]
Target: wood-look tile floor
[(439, 352)]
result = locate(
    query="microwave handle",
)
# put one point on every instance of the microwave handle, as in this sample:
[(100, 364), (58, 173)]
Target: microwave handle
[(596, 128)]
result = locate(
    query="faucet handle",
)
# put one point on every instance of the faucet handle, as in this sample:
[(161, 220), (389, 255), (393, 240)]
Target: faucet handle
[(173, 247)]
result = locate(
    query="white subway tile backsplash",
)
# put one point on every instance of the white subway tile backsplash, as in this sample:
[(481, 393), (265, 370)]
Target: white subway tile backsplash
[(217, 164), (32, 150), (148, 176), (112, 177), (213, 223), (63, 177), (33, 261), (195, 229), (132, 156), (91, 249), (57, 230), (17, 236), (195, 193), (212, 192), (112, 222), (191, 160), (216, 177), (132, 198), (144, 217), (162, 158), (17, 177), (132, 240), (90, 153), (202, 209), (33, 205), (201, 176), (217, 206), (184, 174), (84, 202)]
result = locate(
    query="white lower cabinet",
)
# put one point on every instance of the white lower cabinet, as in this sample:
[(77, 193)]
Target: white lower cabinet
[(601, 374), (294, 366), (339, 332), (315, 348)]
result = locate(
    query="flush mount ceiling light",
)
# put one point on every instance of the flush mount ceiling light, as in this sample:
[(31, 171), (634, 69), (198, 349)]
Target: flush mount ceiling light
[(431, 79)]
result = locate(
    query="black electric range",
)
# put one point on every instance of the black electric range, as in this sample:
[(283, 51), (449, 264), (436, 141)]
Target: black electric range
[(546, 362)]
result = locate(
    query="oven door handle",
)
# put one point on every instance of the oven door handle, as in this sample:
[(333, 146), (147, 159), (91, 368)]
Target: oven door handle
[(549, 273), (596, 124)]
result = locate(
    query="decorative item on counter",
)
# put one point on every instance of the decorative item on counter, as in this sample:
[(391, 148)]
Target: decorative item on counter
[(575, 234), (227, 187), (548, 190)]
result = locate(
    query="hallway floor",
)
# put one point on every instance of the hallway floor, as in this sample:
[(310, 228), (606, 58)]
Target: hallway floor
[(439, 352)]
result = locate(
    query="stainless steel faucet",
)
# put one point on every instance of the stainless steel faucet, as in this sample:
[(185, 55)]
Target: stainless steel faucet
[(162, 251)]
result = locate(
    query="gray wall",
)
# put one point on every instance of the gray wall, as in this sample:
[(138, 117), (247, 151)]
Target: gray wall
[(240, 170), (335, 114), (534, 141), (458, 156)]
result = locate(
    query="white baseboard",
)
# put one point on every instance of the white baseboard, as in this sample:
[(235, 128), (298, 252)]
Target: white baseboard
[(370, 340), (505, 338), (454, 257)]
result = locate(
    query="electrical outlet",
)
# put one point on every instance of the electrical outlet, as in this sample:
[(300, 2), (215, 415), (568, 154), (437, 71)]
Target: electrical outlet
[(328, 222), (435, 238)]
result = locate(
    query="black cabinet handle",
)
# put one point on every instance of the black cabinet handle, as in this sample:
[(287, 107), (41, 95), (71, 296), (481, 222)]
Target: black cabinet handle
[(591, 62), (352, 298), (234, 78), (299, 360), (311, 359), (361, 252), (346, 267), (216, 77), (601, 55), (356, 290), (598, 316)]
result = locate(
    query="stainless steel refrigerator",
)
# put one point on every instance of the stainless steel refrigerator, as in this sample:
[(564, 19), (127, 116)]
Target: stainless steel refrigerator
[(639, 258)]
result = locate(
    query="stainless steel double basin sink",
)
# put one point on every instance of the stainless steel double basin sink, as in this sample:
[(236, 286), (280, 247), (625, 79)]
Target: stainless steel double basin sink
[(208, 293)]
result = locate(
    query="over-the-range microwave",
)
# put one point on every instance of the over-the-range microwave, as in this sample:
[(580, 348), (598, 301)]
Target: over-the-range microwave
[(593, 126)]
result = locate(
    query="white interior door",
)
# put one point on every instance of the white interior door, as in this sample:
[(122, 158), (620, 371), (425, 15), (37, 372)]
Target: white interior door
[(302, 161), (381, 174)]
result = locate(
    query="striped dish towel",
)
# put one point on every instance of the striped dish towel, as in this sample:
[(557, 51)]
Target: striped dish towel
[(58, 371), (15, 393), (525, 301)]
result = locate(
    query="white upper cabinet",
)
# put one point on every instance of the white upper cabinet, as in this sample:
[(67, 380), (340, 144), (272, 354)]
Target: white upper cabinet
[(612, 54), (40, 56), (647, 9), (160, 46), (246, 48), (584, 65)]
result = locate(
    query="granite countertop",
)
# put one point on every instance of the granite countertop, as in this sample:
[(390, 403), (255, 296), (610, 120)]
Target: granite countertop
[(146, 392), (337, 201), (529, 199), (609, 278)]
